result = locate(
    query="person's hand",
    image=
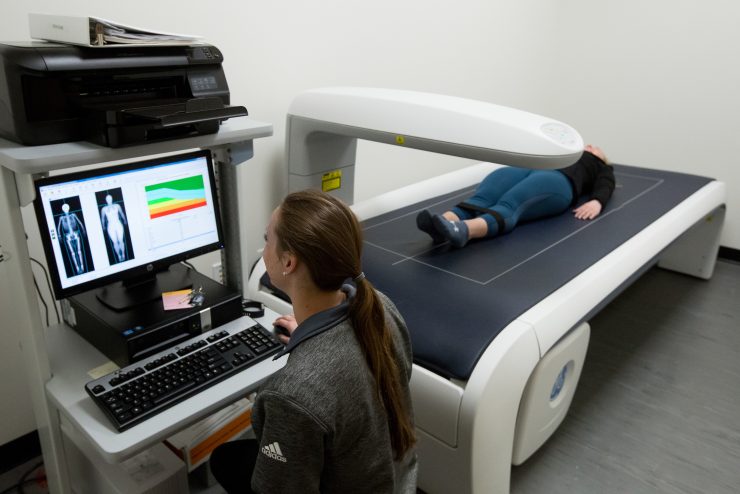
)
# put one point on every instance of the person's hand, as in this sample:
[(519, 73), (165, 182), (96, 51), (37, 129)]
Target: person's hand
[(289, 323), (588, 210)]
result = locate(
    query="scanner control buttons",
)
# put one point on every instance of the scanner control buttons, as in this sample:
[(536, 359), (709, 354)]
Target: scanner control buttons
[(560, 133)]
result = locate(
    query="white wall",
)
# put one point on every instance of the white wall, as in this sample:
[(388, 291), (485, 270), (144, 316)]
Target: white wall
[(654, 83)]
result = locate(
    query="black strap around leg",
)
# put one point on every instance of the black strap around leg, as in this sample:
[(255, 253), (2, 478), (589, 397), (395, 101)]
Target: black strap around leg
[(496, 215)]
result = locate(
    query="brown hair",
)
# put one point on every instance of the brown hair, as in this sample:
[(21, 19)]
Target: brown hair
[(326, 236)]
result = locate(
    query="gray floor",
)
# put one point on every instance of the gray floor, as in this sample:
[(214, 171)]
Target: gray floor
[(658, 405)]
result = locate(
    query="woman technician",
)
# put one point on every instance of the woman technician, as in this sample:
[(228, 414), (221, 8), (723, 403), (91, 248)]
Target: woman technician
[(337, 417)]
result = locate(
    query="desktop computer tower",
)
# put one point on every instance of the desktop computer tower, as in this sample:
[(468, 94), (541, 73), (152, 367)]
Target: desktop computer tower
[(126, 336)]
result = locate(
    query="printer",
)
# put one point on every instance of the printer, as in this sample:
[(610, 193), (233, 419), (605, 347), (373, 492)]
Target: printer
[(117, 96)]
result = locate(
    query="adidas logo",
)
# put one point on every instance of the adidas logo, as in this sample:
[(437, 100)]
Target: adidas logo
[(273, 451)]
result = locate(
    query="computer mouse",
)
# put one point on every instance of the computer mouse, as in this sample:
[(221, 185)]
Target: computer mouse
[(281, 330)]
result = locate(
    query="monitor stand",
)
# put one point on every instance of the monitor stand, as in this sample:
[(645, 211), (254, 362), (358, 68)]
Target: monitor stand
[(121, 296)]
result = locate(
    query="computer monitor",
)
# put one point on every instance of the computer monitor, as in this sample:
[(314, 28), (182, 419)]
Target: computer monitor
[(121, 227)]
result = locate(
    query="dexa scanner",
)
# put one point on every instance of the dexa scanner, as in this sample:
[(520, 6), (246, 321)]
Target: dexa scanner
[(494, 377)]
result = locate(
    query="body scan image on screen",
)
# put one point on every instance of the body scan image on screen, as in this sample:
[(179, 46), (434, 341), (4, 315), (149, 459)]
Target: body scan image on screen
[(128, 221), (115, 227), (71, 236)]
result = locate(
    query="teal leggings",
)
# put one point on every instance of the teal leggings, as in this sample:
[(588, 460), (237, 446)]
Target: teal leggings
[(515, 195)]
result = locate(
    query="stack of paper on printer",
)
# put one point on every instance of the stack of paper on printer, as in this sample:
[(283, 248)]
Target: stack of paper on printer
[(195, 444), (99, 32)]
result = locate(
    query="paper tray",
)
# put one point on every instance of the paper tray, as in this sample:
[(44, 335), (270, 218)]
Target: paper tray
[(121, 126)]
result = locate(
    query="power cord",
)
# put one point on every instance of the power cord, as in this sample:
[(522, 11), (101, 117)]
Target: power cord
[(48, 284), (25, 480), (4, 256), (46, 307), (186, 263)]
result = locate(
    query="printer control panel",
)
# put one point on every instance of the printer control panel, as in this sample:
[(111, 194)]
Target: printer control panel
[(204, 54), (200, 83)]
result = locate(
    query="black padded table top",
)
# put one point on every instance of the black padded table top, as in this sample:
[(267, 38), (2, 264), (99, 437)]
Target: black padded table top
[(455, 301)]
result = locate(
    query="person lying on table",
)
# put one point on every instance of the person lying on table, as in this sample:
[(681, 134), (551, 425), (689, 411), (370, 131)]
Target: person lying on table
[(508, 196)]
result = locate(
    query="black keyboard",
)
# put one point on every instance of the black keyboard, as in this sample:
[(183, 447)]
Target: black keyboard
[(141, 390)]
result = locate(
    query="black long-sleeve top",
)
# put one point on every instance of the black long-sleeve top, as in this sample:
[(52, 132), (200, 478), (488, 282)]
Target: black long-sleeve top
[(590, 175)]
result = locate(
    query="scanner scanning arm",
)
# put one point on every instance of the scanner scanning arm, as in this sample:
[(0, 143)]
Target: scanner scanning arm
[(324, 124)]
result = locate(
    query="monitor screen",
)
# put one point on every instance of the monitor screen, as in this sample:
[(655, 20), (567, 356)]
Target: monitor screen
[(127, 221)]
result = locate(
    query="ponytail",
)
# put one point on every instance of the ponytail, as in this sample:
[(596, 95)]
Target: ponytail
[(368, 320)]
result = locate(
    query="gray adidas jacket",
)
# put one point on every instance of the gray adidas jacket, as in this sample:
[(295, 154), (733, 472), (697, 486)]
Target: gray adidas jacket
[(319, 423)]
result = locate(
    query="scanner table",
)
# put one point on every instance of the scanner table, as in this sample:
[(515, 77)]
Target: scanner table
[(480, 289)]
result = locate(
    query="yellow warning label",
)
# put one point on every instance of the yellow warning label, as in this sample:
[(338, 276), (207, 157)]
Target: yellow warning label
[(400, 140), (331, 180)]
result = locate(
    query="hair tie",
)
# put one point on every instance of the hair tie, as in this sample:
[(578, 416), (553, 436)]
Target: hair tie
[(359, 277)]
